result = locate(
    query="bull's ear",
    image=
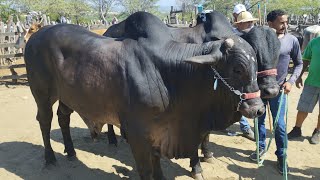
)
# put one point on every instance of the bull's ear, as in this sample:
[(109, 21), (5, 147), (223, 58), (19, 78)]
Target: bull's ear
[(205, 59)]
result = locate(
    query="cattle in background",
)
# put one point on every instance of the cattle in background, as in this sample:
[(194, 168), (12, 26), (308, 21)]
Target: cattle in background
[(310, 33), (33, 28), (299, 36), (159, 91)]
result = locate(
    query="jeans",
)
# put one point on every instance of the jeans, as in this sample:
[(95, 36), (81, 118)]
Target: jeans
[(244, 124), (280, 131)]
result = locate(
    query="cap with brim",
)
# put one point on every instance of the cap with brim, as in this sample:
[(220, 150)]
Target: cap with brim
[(245, 16), (239, 8)]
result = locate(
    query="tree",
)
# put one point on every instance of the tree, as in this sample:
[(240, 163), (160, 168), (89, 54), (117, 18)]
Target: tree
[(297, 7), (6, 9), (188, 5), (77, 8), (103, 7), (132, 6), (54, 8)]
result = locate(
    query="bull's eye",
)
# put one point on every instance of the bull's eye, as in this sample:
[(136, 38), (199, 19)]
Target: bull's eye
[(214, 38), (237, 71)]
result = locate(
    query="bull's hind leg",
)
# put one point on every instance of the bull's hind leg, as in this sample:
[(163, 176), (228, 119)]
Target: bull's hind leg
[(64, 123), (44, 116)]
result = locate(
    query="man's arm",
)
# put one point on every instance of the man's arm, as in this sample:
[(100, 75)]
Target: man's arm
[(297, 61), (307, 55), (295, 55)]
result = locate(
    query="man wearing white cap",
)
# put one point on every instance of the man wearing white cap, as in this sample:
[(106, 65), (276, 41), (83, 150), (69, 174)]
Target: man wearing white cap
[(237, 10), (245, 20)]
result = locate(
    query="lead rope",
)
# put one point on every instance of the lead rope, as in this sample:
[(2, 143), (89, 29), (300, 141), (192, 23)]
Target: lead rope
[(260, 163), (285, 170)]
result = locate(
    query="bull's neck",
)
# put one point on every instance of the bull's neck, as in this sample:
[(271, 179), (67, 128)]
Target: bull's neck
[(189, 35)]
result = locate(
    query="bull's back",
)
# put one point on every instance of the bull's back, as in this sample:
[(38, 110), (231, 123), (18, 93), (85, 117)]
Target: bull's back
[(116, 30), (71, 64)]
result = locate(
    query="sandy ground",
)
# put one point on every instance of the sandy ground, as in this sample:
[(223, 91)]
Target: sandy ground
[(21, 149)]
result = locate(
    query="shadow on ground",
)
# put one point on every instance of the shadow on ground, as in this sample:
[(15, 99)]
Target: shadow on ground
[(26, 161), (82, 141)]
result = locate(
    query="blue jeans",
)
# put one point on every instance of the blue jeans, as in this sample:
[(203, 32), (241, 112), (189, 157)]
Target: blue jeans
[(244, 125), (280, 132)]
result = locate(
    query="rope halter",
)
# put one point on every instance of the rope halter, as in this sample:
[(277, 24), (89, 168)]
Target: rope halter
[(242, 96), (268, 72)]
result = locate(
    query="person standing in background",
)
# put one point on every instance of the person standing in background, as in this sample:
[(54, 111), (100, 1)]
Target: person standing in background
[(310, 95)]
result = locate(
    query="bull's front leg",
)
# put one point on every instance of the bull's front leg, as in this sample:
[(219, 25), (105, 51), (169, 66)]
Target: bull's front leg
[(208, 155), (147, 162), (157, 171), (196, 171)]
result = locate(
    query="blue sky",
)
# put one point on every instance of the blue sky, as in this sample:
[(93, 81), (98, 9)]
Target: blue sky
[(167, 3)]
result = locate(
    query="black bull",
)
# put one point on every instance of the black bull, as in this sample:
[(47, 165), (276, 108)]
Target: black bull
[(148, 86), (262, 39)]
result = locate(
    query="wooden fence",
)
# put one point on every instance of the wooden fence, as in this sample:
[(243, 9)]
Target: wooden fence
[(9, 52)]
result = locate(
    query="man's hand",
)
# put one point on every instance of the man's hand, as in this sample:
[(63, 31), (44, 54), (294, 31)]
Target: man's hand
[(287, 87), (299, 82)]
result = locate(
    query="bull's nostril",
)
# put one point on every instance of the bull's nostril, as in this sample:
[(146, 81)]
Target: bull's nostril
[(260, 112), (267, 92)]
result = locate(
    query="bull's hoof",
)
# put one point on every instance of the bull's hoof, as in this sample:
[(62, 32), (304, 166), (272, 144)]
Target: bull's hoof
[(197, 176), (112, 139), (70, 152), (50, 157), (72, 158), (50, 163), (209, 160)]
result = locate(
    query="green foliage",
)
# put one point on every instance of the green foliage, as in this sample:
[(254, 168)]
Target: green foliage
[(296, 7), (290, 6), (6, 10), (132, 6)]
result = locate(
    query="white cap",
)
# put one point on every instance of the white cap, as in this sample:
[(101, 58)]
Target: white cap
[(239, 8)]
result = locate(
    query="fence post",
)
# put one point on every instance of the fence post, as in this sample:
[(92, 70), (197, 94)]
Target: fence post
[(44, 20)]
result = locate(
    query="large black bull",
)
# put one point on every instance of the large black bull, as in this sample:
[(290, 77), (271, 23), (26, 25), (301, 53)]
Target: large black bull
[(215, 27), (159, 91)]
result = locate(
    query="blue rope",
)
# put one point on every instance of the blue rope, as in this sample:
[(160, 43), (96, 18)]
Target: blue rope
[(260, 163), (285, 170)]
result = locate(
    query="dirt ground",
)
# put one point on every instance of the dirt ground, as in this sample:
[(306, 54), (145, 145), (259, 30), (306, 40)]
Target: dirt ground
[(21, 149)]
